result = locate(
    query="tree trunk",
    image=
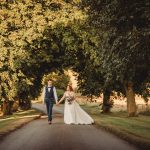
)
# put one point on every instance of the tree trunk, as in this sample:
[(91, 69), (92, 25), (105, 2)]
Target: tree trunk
[(25, 104), (131, 105), (106, 101), (15, 106), (7, 107)]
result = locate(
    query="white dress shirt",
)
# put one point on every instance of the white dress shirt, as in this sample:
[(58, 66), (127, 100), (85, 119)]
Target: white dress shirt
[(54, 91)]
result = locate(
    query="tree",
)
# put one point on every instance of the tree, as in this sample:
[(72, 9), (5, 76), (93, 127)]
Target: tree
[(60, 79), (123, 53), (106, 42), (30, 45)]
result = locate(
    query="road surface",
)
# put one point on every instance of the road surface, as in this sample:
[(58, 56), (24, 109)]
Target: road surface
[(38, 135)]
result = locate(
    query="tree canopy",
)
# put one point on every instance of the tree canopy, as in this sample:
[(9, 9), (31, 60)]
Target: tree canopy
[(31, 44), (105, 41)]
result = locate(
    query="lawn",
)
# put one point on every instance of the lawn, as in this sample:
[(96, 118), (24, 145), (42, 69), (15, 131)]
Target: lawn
[(11, 122), (21, 113), (135, 126)]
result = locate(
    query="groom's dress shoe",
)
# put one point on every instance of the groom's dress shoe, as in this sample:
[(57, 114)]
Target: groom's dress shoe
[(49, 122)]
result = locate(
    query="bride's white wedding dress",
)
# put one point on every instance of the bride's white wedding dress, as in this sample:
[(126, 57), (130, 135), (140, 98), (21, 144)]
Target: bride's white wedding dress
[(73, 113)]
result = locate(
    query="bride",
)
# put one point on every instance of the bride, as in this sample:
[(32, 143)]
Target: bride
[(73, 113)]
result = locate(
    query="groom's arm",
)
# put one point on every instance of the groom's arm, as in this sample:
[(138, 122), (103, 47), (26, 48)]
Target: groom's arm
[(43, 96), (55, 95)]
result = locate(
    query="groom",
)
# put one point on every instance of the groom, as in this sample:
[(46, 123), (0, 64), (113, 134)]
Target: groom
[(50, 96)]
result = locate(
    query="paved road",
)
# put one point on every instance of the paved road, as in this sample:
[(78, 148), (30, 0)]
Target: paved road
[(38, 135)]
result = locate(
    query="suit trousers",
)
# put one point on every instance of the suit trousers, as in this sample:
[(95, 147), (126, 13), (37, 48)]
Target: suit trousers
[(49, 107)]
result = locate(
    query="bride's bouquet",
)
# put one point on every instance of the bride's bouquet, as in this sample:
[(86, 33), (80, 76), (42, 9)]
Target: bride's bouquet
[(70, 100)]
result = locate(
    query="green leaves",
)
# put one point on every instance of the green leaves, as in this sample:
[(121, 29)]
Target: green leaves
[(106, 42), (60, 79), (31, 35)]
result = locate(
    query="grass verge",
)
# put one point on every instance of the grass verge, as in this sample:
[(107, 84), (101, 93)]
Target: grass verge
[(135, 130), (17, 120)]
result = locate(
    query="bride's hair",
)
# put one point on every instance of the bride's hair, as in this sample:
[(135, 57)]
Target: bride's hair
[(70, 87)]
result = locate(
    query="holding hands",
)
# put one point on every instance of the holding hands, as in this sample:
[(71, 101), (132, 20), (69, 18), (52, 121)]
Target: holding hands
[(57, 103)]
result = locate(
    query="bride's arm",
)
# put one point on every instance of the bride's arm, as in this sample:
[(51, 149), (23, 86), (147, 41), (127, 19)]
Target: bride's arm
[(74, 96)]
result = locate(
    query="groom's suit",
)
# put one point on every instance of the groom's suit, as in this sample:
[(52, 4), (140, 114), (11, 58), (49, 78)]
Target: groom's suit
[(50, 96)]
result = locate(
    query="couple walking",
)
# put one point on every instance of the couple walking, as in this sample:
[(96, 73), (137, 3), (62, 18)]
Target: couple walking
[(73, 113)]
